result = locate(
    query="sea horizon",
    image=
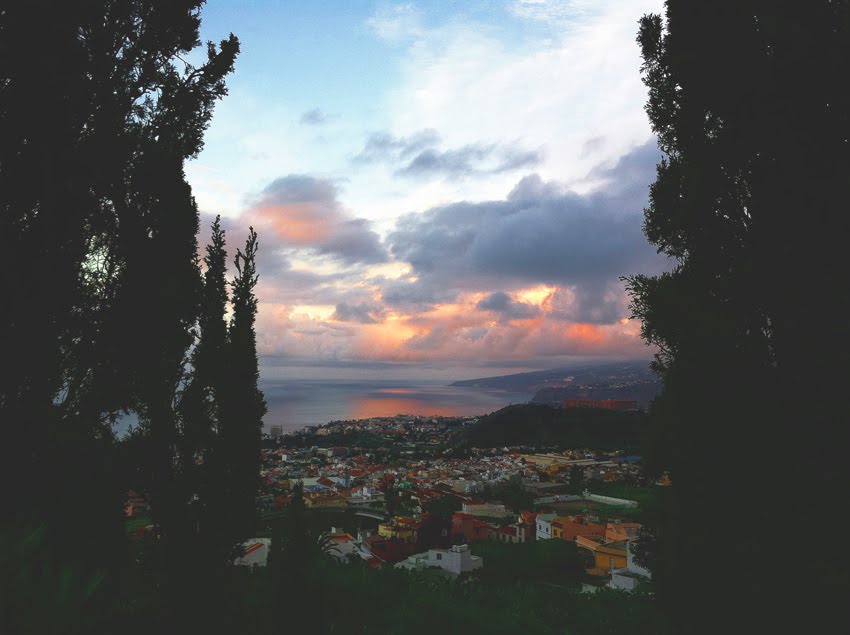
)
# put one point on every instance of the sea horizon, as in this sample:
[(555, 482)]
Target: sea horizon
[(294, 404)]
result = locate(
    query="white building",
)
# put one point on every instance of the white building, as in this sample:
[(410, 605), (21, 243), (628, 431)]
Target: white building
[(457, 560), (629, 578), (544, 526), (255, 553)]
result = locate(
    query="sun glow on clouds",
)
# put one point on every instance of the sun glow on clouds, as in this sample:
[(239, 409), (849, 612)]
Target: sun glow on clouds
[(535, 295), (437, 298), (482, 212)]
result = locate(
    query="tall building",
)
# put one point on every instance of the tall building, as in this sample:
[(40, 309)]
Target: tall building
[(276, 431)]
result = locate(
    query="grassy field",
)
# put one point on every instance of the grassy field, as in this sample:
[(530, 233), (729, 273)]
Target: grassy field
[(645, 497)]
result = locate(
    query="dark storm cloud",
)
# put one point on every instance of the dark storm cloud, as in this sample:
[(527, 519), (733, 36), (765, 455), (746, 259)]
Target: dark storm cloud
[(361, 313), (314, 117), (420, 295), (508, 308), (589, 303), (540, 234)]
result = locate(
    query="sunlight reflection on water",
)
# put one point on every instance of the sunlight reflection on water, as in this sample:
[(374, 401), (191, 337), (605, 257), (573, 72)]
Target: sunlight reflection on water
[(297, 403)]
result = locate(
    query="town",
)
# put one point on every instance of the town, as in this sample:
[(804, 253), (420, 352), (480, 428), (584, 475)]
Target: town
[(407, 497)]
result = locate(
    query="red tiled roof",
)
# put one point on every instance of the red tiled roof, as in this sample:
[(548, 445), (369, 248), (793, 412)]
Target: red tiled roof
[(253, 548)]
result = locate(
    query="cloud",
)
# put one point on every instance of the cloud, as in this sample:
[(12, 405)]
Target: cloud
[(303, 211), (508, 308), (592, 146), (362, 313), (567, 72), (394, 23), (531, 277), (415, 295), (421, 157), (314, 117), (382, 146), (540, 233), (554, 11), (469, 160), (588, 304)]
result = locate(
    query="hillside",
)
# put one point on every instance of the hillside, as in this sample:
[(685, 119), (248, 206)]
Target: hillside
[(619, 380), (641, 391), (540, 425)]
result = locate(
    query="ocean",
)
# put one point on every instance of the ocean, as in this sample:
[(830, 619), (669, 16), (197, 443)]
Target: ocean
[(294, 403)]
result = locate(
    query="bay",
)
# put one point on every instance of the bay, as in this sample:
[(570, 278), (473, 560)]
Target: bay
[(294, 404)]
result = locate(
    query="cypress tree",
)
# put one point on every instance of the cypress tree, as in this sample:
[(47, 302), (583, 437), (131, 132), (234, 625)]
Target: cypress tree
[(199, 406), (243, 404), (97, 255), (752, 111)]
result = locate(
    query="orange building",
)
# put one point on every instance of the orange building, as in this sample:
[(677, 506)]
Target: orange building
[(613, 555), (568, 527), (615, 532), (324, 498)]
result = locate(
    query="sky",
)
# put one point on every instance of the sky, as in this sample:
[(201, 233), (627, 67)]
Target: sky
[(441, 189)]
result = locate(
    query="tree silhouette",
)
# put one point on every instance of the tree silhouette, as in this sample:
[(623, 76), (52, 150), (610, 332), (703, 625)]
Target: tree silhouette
[(753, 118), (98, 258), (243, 404)]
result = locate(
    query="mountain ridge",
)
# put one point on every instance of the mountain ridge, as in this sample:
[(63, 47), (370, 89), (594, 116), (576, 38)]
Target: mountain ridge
[(631, 380)]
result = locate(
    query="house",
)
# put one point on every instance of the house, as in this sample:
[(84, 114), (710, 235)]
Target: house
[(526, 517), (456, 560), (388, 551), (568, 527), (613, 555), (544, 525), (399, 528), (255, 553), (324, 498), (467, 528), (630, 577), (508, 533), (617, 531), (325, 482)]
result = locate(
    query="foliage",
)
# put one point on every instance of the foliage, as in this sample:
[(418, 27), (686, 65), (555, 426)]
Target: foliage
[(551, 561), (243, 405), (576, 485), (445, 506), (749, 197), (511, 493), (538, 425)]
